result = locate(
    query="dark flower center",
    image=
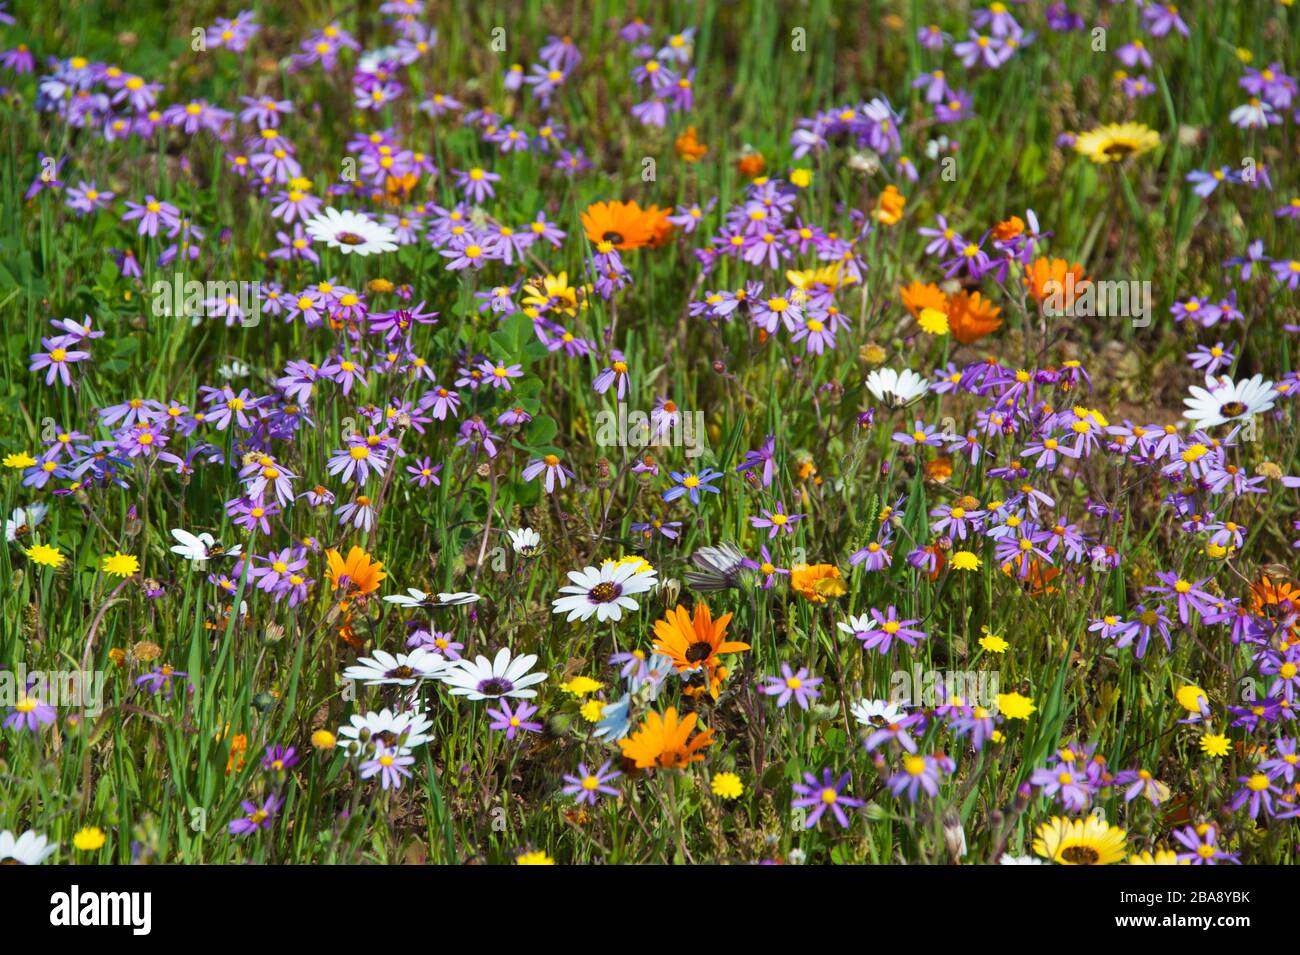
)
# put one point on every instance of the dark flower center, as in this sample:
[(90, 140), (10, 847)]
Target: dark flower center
[(613, 237), (699, 650), (604, 592), (400, 673), (349, 238), (1232, 409), (1118, 150), (495, 686), (1081, 855)]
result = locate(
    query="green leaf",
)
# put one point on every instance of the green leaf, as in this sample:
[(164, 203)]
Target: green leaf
[(542, 430)]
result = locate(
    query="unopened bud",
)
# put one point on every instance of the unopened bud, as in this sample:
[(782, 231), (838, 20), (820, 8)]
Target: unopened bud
[(954, 836)]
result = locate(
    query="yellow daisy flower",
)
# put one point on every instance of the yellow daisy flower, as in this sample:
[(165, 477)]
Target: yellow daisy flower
[(121, 565), (89, 839), (581, 686), (993, 643), (1159, 857), (933, 321), (642, 565), (534, 858), (1191, 698), (1087, 841), (1116, 142), (1014, 706), (1215, 744), (727, 786), (45, 555)]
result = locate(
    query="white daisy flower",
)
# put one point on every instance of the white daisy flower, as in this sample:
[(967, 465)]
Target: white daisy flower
[(24, 519), (412, 598), (418, 598), (404, 669), (857, 625), (1009, 859), (198, 548), (403, 730), (864, 161), (526, 541), (371, 61), (876, 713), (27, 849), (1223, 400), (351, 232), (1255, 114), (604, 592), (936, 146), (479, 679), (897, 389)]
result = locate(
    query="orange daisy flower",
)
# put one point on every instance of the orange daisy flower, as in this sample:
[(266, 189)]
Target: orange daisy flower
[(1270, 592), (690, 149), (238, 747), (1039, 580), (625, 225), (662, 741), (399, 188), (709, 682), (940, 561), (359, 571), (971, 317), (816, 582), (1008, 229), (751, 164), (1046, 275), (939, 469), (348, 633), (917, 298), (1267, 596), (889, 208), (695, 643), (660, 227)]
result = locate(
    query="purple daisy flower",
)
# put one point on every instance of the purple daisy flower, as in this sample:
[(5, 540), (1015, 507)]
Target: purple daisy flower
[(256, 817), (792, 684), (514, 720), (824, 795), (587, 787), (388, 764)]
